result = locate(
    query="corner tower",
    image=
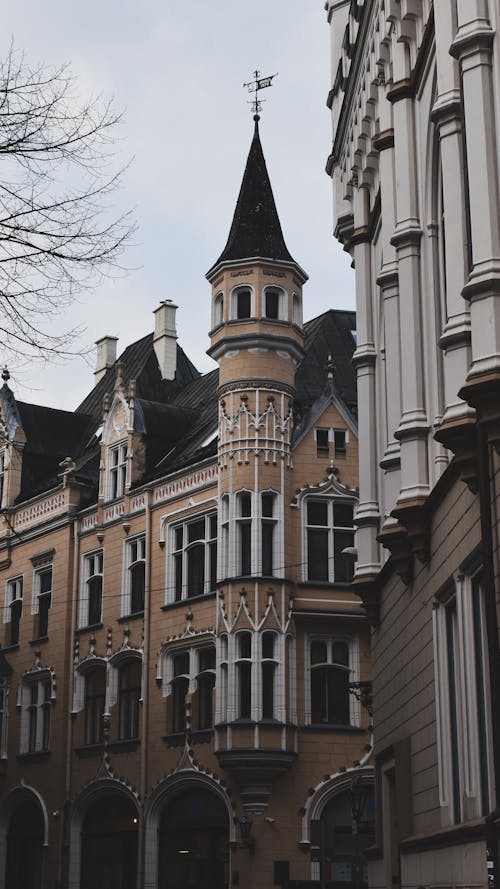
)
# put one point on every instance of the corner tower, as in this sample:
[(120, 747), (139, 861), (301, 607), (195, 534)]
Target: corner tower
[(257, 339)]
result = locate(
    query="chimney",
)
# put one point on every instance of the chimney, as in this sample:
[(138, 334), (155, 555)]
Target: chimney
[(106, 355), (165, 338)]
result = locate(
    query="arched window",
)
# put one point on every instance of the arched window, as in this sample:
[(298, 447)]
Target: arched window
[(129, 693), (329, 681), (36, 704), (109, 843), (274, 303), (91, 602), (95, 696), (241, 303), (268, 526), (180, 688), (218, 311), (194, 551)]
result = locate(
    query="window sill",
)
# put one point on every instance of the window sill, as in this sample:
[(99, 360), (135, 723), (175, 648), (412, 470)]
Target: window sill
[(14, 646), (124, 745), (184, 602), (87, 750), (38, 640), (36, 756), (127, 617), (175, 739), (88, 628), (334, 727), (201, 736)]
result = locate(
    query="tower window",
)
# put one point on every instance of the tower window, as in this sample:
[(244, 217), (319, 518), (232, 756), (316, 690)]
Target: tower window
[(272, 297), (218, 317), (245, 533), (243, 303), (297, 310)]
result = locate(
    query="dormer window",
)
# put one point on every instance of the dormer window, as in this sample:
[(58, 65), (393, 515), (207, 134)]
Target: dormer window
[(117, 470), (241, 303)]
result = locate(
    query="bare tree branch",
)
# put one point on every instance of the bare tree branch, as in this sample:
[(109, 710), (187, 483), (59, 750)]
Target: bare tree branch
[(57, 235)]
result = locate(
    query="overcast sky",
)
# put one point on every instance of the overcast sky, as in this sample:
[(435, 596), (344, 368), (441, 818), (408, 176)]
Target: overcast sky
[(178, 68)]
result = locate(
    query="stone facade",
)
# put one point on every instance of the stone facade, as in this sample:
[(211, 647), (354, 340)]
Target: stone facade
[(179, 627), (415, 103)]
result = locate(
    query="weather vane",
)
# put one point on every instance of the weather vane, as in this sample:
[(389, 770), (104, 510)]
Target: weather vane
[(260, 83)]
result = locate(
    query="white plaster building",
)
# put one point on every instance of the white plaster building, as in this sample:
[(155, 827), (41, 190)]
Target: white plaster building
[(415, 102)]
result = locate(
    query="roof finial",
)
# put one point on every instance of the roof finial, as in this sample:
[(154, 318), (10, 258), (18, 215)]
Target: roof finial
[(5, 374), (260, 83)]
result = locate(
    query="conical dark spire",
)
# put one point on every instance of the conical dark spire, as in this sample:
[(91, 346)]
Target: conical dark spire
[(256, 229)]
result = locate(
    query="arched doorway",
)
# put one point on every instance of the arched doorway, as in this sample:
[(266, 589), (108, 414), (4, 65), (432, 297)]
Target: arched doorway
[(25, 838), (194, 842), (339, 838), (109, 844)]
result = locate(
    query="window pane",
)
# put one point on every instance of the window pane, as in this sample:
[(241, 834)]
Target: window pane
[(343, 565), (245, 505), (340, 653), (322, 445), (45, 581), (343, 513), (206, 659), (317, 513), (267, 505), (338, 696), (267, 548), (317, 555), (43, 614), (245, 644), (179, 692), (246, 548), (243, 304), (196, 570), (245, 689), (268, 640), (206, 685), (178, 576), (137, 577), (181, 663), (268, 670), (272, 303), (339, 437), (196, 531), (318, 653), (319, 695), (95, 598), (213, 565)]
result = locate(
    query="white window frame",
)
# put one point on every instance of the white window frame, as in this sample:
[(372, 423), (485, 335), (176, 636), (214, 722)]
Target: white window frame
[(88, 562), (36, 699), (331, 528), (137, 542), (192, 675), (282, 303), (13, 593), (38, 572), (229, 659), (117, 470), (218, 310), (352, 643), (233, 302), (181, 553), (461, 766)]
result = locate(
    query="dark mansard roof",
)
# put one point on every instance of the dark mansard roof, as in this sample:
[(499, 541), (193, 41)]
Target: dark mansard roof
[(178, 418)]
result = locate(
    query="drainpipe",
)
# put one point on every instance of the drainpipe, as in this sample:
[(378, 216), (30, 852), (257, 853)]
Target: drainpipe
[(65, 814), (488, 575), (141, 857)]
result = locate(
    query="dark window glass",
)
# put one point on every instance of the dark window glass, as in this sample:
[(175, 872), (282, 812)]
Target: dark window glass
[(95, 694), (206, 659), (317, 513), (178, 576), (43, 614), (196, 531), (268, 505), (95, 599), (343, 514), (245, 643), (267, 548), (196, 569), (206, 685), (245, 505), (343, 565), (268, 669), (317, 555), (181, 663), (137, 584), (245, 689), (129, 693), (340, 653), (318, 653), (180, 688), (322, 445), (16, 609), (246, 547), (243, 309), (340, 441), (272, 303), (330, 695), (455, 760)]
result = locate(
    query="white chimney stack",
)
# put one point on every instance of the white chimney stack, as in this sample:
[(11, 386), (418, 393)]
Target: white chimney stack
[(165, 338), (106, 355)]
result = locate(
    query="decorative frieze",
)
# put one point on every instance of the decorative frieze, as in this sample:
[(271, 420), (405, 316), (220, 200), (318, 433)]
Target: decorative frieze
[(39, 511), (186, 483)]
